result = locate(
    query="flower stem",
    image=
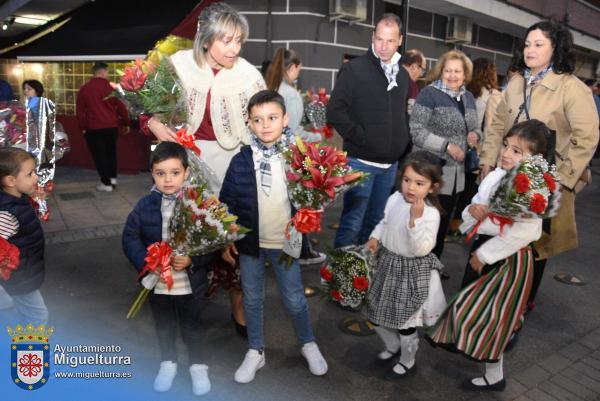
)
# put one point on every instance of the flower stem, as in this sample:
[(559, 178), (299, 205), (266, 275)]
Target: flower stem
[(137, 304)]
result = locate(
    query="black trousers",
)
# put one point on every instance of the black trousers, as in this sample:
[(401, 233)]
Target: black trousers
[(539, 266), (103, 147), (170, 312), (448, 203), (464, 198)]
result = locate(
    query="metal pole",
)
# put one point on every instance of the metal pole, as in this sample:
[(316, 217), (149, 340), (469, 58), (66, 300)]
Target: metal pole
[(405, 10)]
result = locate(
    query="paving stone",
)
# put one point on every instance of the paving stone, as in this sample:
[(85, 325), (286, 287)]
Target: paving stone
[(532, 376), (593, 362), (536, 394), (586, 370), (522, 397), (575, 351), (514, 387), (555, 363), (558, 392), (582, 379), (573, 387), (592, 340)]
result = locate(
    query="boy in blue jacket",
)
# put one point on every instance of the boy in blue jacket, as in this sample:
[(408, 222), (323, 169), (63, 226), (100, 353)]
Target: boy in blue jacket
[(149, 223), (255, 189)]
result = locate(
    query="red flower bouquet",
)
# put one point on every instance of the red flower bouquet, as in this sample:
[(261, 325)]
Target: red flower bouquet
[(200, 224), (527, 191), (347, 277), (9, 258), (316, 174)]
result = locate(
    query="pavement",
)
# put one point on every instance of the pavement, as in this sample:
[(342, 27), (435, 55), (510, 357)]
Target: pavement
[(90, 285)]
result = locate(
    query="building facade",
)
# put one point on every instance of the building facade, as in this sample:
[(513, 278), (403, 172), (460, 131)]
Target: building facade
[(496, 28)]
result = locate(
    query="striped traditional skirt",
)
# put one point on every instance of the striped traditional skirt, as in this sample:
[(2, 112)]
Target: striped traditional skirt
[(480, 319), (402, 290)]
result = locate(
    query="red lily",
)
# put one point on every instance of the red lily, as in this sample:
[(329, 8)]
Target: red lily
[(325, 183)]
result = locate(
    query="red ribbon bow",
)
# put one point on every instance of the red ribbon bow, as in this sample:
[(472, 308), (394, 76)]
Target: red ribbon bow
[(9, 258), (306, 221), (496, 219), (187, 141), (158, 260)]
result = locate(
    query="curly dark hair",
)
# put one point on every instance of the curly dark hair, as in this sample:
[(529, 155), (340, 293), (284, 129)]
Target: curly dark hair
[(563, 57), (484, 76)]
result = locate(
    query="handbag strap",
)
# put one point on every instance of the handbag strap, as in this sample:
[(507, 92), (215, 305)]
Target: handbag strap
[(523, 107)]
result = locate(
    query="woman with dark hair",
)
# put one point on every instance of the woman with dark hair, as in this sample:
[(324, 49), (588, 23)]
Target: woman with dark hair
[(32, 88), (548, 91)]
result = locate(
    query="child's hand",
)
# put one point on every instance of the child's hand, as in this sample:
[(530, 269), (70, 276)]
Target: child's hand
[(478, 211), (372, 245), (475, 263), (416, 211), (40, 192), (228, 254), (180, 262)]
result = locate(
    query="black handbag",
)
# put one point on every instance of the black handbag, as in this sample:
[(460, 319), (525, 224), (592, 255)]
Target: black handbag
[(471, 160)]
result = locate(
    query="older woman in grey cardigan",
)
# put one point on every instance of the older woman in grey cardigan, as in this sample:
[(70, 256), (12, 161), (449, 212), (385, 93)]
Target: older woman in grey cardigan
[(444, 122)]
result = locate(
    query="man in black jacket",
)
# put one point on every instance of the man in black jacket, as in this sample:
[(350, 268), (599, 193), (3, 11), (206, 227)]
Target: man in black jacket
[(368, 109)]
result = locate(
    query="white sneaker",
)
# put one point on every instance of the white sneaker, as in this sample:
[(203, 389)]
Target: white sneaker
[(166, 375), (253, 361), (316, 363), (113, 181), (200, 382), (313, 258), (104, 188)]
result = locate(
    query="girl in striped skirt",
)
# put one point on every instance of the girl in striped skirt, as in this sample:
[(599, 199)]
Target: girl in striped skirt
[(406, 291), (481, 318)]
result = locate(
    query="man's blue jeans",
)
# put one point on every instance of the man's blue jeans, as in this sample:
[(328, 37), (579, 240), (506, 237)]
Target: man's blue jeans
[(289, 281), (364, 204)]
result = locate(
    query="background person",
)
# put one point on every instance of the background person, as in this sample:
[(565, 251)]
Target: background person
[(444, 122), (99, 117), (368, 109)]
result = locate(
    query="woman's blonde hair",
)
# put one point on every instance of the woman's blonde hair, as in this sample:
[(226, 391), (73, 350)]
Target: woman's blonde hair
[(216, 21), (436, 71)]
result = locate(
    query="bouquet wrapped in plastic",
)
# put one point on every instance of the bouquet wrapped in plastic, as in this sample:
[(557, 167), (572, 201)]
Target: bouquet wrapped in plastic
[(9, 258), (13, 123), (315, 109), (150, 89), (529, 190), (200, 225), (316, 175), (348, 275)]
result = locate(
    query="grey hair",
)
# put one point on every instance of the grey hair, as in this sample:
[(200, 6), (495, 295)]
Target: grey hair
[(216, 21)]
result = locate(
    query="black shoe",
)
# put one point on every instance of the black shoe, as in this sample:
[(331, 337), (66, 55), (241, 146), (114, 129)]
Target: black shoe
[(444, 276), (240, 328), (391, 375), (498, 386)]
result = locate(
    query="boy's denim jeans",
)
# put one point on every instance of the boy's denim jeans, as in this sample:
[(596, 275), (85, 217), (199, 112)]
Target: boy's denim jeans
[(289, 281), (26, 308), (364, 204)]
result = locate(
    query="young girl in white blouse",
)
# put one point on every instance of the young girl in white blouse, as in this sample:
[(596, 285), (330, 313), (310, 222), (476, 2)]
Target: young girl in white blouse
[(406, 291), (481, 319)]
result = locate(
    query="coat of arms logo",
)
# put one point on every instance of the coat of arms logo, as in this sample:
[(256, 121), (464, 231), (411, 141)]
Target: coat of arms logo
[(30, 355)]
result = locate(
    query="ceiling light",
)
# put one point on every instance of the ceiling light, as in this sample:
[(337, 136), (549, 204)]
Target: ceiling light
[(4, 26), (30, 21)]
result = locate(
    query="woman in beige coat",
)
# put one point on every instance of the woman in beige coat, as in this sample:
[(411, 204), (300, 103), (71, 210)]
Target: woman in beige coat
[(553, 95)]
